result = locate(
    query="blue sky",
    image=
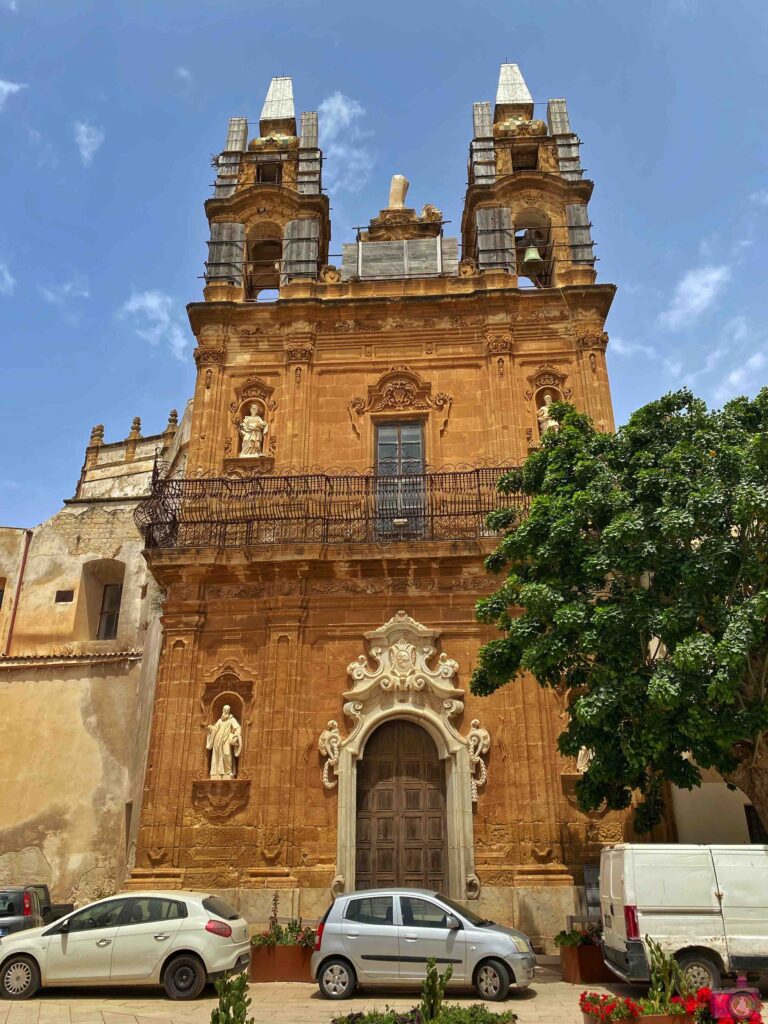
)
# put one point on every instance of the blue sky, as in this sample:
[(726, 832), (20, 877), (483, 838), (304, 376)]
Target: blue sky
[(110, 111)]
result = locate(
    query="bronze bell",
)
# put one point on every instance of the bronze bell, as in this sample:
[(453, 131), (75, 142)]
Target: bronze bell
[(532, 264)]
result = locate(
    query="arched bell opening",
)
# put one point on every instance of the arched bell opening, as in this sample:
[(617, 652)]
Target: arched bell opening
[(264, 254), (534, 248), (401, 810)]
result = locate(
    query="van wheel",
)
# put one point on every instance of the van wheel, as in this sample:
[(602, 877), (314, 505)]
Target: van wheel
[(336, 979), (20, 978), (699, 971), (492, 980), (184, 978)]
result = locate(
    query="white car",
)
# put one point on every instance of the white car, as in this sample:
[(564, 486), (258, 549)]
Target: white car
[(180, 940)]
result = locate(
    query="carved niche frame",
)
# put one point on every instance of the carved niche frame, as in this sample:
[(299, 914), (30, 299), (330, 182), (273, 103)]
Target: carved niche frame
[(400, 678), (254, 390), (219, 799), (401, 395), (545, 378)]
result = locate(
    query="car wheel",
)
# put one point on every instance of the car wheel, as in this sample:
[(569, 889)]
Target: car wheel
[(20, 978), (184, 978), (699, 971), (336, 979), (492, 980)]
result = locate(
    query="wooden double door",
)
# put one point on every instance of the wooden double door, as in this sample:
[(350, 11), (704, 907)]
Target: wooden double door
[(401, 811)]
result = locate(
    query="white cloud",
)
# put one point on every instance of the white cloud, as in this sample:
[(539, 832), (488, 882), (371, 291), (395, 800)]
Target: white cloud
[(630, 348), (9, 89), (760, 198), (744, 378), (58, 294), (347, 159), (89, 140), (7, 280), (184, 74), (12, 6), (694, 294), (155, 319)]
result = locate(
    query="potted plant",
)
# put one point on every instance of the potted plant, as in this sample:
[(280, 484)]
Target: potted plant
[(282, 952), (598, 1006), (581, 957)]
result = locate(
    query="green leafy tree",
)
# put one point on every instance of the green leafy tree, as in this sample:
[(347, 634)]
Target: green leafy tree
[(637, 587)]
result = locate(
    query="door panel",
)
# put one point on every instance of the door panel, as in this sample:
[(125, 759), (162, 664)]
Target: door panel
[(423, 934), (742, 877), (401, 811), (84, 953), (370, 936), (150, 926)]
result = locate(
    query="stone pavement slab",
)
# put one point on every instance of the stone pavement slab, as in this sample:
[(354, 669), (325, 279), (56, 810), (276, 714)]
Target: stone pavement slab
[(549, 1001)]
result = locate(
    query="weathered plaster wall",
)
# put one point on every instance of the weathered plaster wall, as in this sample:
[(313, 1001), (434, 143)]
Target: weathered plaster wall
[(11, 552)]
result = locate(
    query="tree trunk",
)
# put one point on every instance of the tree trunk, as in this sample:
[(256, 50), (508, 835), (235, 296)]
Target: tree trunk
[(752, 778)]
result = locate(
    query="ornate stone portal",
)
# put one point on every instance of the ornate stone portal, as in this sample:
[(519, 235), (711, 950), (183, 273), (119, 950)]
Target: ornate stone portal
[(402, 683)]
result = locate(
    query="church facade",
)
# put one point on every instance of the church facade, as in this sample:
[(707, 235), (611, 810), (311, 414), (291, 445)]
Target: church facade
[(323, 553)]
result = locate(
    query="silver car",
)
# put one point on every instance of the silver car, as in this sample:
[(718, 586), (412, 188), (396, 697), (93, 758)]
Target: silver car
[(386, 936)]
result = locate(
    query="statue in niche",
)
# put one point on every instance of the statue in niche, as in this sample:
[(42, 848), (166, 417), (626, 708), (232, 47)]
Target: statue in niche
[(253, 430), (545, 420), (225, 741), (398, 190), (583, 759)]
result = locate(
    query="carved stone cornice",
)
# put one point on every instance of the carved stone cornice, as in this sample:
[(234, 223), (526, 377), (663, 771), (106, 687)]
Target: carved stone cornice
[(592, 340), (208, 356)]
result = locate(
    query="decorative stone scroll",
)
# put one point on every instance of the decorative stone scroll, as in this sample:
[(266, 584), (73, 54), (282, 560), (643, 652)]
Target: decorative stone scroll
[(479, 744), (400, 389), (548, 376), (330, 741)]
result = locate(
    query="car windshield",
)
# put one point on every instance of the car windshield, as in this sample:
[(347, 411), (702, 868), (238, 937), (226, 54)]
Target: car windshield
[(468, 915), (10, 904)]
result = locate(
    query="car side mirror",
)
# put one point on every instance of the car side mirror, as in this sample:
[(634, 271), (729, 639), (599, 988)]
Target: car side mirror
[(452, 922), (63, 927)]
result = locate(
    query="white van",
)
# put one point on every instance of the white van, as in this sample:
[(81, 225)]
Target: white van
[(706, 905)]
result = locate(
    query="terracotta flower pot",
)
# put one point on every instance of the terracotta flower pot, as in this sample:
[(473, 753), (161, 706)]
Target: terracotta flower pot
[(584, 965), (666, 1018), (280, 963)]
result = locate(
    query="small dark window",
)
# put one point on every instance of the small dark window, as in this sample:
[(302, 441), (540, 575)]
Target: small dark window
[(269, 173), (65, 596), (757, 831), (110, 611)]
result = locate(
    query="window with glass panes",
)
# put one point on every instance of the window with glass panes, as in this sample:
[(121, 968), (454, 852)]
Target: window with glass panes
[(110, 611)]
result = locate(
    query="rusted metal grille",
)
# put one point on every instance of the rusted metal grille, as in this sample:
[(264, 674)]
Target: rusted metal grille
[(322, 508)]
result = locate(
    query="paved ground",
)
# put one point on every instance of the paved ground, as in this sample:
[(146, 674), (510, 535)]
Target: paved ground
[(550, 1001)]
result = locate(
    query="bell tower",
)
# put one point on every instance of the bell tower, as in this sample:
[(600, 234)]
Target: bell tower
[(268, 217)]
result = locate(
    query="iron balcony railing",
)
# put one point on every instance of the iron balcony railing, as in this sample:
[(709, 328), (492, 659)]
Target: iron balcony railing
[(322, 508)]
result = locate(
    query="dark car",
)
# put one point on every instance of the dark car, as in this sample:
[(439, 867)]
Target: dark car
[(19, 909)]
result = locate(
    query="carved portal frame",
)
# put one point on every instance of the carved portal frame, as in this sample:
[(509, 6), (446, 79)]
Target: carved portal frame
[(402, 685), (253, 391), (401, 394)]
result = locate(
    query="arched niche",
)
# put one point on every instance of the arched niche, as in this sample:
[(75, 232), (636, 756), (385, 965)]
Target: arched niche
[(533, 229), (264, 255)]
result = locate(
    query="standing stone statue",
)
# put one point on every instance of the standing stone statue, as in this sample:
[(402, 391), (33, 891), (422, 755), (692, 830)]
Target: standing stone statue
[(225, 741), (545, 420), (253, 429), (398, 190)]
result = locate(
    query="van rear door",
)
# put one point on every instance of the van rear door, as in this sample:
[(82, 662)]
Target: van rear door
[(742, 876), (612, 898)]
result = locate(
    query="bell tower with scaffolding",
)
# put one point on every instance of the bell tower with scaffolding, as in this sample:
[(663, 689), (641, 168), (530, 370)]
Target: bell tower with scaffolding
[(323, 551)]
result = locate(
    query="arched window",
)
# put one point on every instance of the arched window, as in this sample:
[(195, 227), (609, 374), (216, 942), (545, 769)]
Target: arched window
[(533, 247)]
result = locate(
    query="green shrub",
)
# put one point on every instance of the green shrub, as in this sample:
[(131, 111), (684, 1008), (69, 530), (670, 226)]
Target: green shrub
[(587, 936), (233, 1000), (476, 1013), (433, 990), (291, 934)]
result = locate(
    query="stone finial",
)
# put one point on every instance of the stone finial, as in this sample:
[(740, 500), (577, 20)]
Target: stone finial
[(173, 421), (398, 190), (135, 431), (97, 435)]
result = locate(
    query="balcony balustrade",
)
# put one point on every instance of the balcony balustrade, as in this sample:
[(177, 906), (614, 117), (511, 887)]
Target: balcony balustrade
[(324, 508)]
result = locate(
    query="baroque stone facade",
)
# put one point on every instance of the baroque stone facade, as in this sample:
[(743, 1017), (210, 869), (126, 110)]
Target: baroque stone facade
[(324, 586)]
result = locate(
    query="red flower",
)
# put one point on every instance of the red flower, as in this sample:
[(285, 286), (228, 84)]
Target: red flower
[(704, 994)]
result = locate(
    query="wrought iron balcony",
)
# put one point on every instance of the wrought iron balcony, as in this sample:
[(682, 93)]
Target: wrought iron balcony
[(325, 508)]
